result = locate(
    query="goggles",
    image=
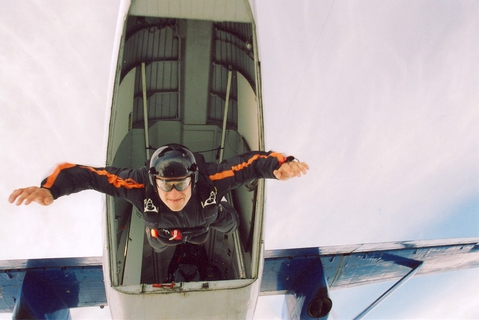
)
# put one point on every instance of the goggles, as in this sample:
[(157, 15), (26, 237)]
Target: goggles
[(168, 185)]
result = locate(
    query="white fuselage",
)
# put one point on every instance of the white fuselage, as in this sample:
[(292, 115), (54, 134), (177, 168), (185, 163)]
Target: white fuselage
[(240, 256)]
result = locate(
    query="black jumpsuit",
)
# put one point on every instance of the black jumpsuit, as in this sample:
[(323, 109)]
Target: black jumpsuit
[(164, 227)]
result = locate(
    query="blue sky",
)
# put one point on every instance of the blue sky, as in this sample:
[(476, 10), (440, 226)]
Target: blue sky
[(380, 98)]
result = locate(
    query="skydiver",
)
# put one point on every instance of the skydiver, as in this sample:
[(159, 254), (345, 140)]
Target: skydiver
[(178, 193)]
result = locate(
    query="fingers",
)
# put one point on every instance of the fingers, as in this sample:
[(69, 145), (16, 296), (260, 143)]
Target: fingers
[(19, 195), (31, 194), (290, 170)]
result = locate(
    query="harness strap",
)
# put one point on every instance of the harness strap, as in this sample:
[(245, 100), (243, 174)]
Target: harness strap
[(179, 234)]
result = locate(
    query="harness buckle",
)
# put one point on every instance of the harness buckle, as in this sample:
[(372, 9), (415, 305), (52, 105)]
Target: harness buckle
[(175, 235), (154, 233)]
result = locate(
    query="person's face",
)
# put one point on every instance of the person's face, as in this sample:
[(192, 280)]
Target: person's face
[(169, 194)]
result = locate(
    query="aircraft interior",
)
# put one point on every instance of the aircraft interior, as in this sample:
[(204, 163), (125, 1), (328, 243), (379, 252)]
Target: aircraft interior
[(185, 73)]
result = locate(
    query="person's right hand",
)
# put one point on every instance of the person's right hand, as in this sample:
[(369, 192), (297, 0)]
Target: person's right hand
[(31, 194)]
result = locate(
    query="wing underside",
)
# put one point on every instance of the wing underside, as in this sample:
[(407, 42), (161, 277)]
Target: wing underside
[(80, 280), (76, 282), (306, 275), (354, 265)]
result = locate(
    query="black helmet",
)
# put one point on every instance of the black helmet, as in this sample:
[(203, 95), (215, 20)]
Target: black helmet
[(172, 161)]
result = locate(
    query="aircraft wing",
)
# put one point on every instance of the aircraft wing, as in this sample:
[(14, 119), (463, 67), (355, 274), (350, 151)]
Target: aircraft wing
[(353, 265), (77, 282), (304, 274)]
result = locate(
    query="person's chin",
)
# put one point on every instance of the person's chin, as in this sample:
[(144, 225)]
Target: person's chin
[(176, 205)]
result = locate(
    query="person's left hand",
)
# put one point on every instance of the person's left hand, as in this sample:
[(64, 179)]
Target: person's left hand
[(290, 170)]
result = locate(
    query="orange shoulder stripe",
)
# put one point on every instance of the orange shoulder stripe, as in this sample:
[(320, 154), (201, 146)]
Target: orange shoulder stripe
[(116, 181), (241, 166)]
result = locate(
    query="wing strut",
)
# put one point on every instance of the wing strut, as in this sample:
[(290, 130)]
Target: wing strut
[(390, 290)]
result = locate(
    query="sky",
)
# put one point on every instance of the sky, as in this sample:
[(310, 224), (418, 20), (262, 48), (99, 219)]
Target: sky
[(380, 98)]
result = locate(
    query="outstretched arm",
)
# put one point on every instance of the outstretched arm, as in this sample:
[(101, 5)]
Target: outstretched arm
[(71, 178), (31, 194), (241, 169)]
